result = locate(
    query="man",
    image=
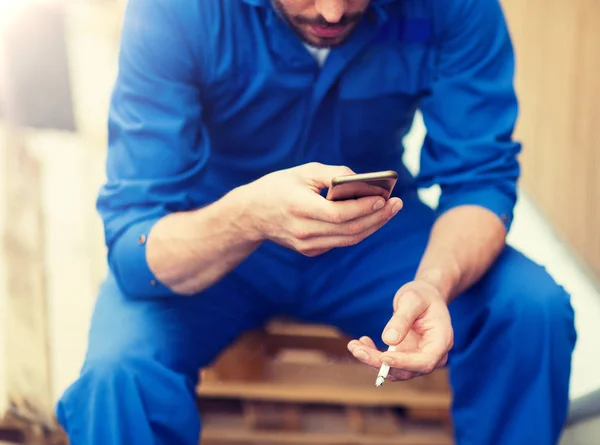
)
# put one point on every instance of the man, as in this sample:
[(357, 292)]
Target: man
[(228, 122)]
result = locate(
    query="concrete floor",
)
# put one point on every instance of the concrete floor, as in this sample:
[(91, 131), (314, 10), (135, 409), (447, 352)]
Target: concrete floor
[(586, 433)]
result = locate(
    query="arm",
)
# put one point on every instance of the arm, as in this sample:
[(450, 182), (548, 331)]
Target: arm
[(163, 235), (189, 251), (470, 116), (157, 149), (465, 241), (158, 243)]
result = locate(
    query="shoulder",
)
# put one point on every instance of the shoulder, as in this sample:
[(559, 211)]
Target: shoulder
[(179, 33), (453, 17), (448, 17), (189, 18)]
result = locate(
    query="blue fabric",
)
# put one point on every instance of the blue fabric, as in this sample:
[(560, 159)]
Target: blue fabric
[(509, 368), (214, 94)]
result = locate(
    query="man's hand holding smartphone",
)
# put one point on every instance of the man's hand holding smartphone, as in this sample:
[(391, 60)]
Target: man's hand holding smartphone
[(287, 208)]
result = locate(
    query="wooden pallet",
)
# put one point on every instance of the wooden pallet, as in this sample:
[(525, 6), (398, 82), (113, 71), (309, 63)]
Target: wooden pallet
[(259, 423), (16, 430), (297, 384)]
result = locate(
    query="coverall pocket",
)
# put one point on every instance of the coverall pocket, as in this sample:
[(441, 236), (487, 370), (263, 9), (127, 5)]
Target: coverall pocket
[(378, 96)]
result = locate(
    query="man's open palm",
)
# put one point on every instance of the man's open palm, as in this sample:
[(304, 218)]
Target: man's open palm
[(420, 329)]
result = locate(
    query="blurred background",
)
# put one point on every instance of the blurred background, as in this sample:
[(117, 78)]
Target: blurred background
[(57, 65)]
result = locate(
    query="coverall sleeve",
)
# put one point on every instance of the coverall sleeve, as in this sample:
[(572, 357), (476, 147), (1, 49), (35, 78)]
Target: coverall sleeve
[(471, 110), (157, 144)]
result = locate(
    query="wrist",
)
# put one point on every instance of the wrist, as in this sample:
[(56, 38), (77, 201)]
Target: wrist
[(445, 281), (239, 206)]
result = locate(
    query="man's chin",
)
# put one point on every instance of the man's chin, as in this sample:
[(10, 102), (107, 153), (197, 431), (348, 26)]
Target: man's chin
[(322, 42)]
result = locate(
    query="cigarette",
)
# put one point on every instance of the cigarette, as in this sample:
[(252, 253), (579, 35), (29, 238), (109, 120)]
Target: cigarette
[(384, 370)]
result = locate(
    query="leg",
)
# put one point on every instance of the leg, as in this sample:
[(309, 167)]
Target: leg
[(518, 327), (514, 334), (137, 385)]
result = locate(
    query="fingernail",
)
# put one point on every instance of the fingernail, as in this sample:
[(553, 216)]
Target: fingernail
[(361, 355), (396, 208), (391, 336), (378, 205), (387, 361)]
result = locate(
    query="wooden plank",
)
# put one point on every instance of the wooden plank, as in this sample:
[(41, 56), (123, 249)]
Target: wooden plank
[(14, 430), (249, 350), (230, 437), (333, 346), (11, 435), (323, 428), (291, 328), (350, 374), (4, 402), (436, 381), (315, 393), (381, 421), (299, 357), (349, 383), (70, 245), (356, 419), (279, 416), (292, 417), (47, 315), (441, 415), (28, 373)]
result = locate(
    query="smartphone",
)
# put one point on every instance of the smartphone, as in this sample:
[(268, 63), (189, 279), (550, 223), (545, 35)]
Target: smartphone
[(363, 184)]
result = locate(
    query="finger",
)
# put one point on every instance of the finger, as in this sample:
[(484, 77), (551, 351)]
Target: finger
[(336, 212), (409, 308), (368, 342), (398, 375), (443, 362), (365, 354), (311, 228), (363, 343), (305, 228), (421, 362), (321, 175), (324, 243), (371, 344), (433, 354)]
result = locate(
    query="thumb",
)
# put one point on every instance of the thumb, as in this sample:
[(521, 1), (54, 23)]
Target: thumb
[(323, 174), (409, 308)]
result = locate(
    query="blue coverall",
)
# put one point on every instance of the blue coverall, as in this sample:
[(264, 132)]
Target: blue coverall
[(213, 94)]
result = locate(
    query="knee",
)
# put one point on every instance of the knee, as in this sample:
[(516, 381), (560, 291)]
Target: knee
[(109, 367), (528, 300), (130, 390), (101, 380), (538, 304)]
